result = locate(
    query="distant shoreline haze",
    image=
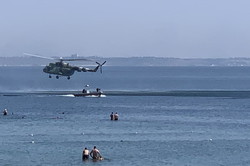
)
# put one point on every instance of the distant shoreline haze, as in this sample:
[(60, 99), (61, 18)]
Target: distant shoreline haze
[(131, 61)]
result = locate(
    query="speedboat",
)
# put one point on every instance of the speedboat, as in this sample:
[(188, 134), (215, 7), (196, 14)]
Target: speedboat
[(87, 93)]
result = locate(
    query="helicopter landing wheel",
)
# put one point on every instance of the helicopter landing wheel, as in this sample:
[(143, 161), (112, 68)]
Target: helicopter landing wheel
[(50, 76), (57, 77), (68, 77)]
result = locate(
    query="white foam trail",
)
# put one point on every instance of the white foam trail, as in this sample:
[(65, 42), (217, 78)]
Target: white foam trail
[(69, 95), (96, 96)]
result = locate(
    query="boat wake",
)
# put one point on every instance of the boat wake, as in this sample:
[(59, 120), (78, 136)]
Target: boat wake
[(177, 93), (96, 96), (68, 95)]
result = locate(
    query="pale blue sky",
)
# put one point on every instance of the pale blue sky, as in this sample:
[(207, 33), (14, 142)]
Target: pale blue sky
[(125, 28)]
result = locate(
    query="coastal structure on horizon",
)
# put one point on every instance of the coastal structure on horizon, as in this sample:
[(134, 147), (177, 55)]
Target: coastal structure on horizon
[(135, 61)]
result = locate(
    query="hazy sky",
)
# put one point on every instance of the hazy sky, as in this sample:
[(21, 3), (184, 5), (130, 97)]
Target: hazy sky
[(125, 28)]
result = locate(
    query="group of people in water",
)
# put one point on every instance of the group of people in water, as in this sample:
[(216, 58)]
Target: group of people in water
[(94, 154), (114, 116)]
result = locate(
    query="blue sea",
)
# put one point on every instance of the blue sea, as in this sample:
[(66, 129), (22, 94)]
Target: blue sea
[(173, 116)]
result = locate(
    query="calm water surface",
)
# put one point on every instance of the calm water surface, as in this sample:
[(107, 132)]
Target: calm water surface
[(151, 130)]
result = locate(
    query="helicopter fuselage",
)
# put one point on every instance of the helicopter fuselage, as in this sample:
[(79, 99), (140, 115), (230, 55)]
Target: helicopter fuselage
[(64, 69), (60, 68)]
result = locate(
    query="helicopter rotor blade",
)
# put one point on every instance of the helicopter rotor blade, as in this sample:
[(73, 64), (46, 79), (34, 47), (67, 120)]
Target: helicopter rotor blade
[(57, 59), (78, 59), (38, 56), (103, 63), (100, 65)]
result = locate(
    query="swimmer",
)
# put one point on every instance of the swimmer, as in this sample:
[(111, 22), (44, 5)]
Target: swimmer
[(5, 112), (116, 116), (85, 154), (95, 154), (112, 116)]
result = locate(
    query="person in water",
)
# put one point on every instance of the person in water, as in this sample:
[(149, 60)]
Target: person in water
[(116, 116), (95, 154), (5, 112), (85, 154), (112, 116)]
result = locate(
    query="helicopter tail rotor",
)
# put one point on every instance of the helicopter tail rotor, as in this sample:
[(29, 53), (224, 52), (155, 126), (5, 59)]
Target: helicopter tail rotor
[(100, 65)]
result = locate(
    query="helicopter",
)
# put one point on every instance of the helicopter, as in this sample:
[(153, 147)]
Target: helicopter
[(61, 68)]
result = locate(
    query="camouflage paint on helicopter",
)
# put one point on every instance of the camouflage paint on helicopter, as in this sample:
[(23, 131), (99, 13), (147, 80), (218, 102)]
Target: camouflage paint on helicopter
[(64, 69)]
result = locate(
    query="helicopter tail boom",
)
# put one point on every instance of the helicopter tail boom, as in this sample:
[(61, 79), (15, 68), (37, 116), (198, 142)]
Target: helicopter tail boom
[(95, 69)]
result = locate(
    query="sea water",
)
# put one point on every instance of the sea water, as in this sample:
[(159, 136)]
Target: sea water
[(201, 118)]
